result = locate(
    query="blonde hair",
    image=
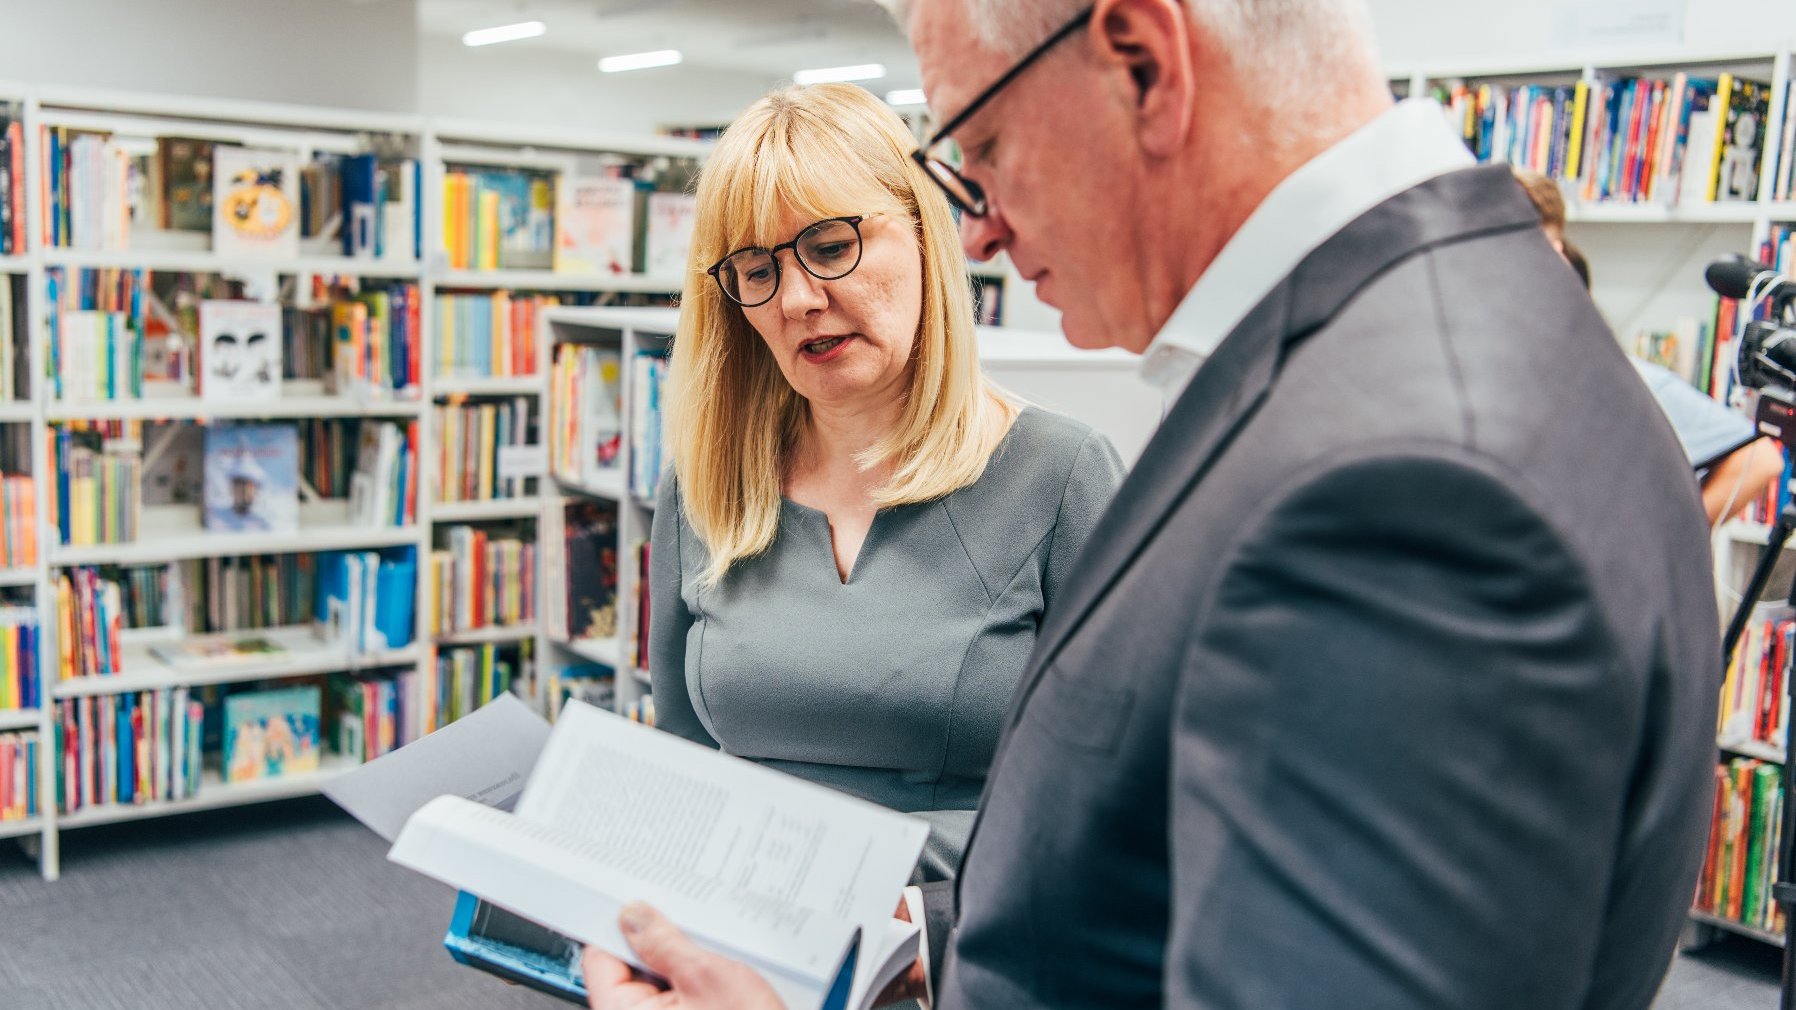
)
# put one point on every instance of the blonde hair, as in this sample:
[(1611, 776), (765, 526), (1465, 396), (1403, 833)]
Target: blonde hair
[(828, 150)]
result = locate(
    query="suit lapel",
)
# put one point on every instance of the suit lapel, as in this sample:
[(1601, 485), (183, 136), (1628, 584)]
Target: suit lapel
[(1230, 386), (1225, 392)]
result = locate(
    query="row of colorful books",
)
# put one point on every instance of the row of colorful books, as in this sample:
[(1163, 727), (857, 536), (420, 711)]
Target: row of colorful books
[(502, 219), (12, 181), (243, 593), (90, 614), (97, 496), (363, 343), (98, 358), (1628, 139), (648, 373), (1753, 707), (479, 335), (18, 521), (498, 219), (1744, 838), (598, 231), (375, 715), (383, 490), (593, 683), (367, 600), (481, 580), (585, 404), (130, 748), (19, 638), (18, 776), (98, 188), (476, 446), (579, 545)]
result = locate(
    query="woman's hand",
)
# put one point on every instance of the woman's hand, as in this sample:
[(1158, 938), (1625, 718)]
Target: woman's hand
[(697, 979)]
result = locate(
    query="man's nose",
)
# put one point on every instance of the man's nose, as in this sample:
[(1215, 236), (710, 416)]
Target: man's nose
[(984, 237)]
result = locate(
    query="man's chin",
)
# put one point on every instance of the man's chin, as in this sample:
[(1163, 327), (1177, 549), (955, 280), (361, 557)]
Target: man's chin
[(1084, 334)]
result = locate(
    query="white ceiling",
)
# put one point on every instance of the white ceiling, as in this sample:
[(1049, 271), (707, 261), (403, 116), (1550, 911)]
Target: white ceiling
[(772, 38)]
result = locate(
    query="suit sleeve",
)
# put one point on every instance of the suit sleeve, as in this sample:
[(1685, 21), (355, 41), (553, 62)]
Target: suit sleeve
[(1092, 482), (1402, 745), (669, 621), (938, 926)]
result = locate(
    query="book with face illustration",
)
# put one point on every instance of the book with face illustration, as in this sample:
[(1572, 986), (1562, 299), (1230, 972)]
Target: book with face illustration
[(240, 351), (252, 478)]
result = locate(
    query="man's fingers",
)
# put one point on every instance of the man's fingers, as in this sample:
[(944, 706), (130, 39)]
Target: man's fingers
[(664, 949), (611, 985), (602, 970), (660, 944)]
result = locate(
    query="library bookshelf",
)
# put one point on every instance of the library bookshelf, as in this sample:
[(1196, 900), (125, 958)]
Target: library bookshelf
[(1658, 247), (175, 533)]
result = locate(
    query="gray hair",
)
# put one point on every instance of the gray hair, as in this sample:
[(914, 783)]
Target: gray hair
[(1275, 36)]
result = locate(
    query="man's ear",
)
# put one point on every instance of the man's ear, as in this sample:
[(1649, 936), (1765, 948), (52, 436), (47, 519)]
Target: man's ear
[(1151, 40)]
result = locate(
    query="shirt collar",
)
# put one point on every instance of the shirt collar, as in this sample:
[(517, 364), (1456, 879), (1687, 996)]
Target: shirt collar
[(1403, 148)]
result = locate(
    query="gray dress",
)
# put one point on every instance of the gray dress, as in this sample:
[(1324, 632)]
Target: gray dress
[(894, 685)]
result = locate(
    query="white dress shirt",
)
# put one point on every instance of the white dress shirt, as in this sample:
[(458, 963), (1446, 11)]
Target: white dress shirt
[(1406, 146)]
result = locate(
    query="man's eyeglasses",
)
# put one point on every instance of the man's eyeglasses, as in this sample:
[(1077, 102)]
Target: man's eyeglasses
[(943, 166), (827, 250)]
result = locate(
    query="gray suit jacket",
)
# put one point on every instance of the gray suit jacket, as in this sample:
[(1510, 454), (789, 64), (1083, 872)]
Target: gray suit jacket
[(1388, 679)]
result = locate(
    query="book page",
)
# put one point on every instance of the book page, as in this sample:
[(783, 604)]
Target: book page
[(565, 883), (485, 756), (722, 845)]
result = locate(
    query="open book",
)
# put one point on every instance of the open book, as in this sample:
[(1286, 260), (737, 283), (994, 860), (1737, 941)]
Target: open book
[(793, 879)]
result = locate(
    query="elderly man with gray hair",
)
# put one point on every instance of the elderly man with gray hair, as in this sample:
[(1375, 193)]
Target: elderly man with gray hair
[(1387, 679)]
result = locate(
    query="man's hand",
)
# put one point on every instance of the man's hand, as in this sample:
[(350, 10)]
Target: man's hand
[(697, 979)]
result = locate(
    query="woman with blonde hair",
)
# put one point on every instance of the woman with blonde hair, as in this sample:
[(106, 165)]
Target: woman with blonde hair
[(860, 533)]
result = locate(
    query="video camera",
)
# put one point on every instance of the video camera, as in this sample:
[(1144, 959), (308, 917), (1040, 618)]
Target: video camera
[(1767, 357)]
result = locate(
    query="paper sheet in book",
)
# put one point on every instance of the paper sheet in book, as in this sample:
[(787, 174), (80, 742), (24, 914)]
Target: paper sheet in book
[(794, 879), (485, 757)]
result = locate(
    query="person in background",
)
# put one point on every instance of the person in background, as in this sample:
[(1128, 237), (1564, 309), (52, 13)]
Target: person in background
[(1733, 464), (860, 533)]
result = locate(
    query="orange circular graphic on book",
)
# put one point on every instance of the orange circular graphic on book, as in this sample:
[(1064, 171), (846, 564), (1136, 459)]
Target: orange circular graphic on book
[(255, 205)]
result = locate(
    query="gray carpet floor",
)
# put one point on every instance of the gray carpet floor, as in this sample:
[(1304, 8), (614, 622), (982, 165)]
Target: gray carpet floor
[(293, 906)]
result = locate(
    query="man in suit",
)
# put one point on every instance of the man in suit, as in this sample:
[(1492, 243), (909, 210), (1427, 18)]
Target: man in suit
[(1388, 679)]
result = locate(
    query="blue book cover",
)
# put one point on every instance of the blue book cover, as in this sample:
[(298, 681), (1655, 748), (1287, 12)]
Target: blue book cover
[(252, 478), (360, 211), (395, 598), (127, 751), (514, 948), (271, 733)]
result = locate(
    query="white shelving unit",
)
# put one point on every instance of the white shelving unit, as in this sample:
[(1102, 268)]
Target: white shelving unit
[(174, 533), (627, 331), (1646, 284)]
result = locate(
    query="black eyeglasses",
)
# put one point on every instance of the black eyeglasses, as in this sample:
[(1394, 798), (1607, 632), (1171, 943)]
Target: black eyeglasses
[(944, 168), (828, 250)]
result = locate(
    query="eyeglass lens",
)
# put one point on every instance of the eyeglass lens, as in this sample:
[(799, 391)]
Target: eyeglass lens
[(827, 250)]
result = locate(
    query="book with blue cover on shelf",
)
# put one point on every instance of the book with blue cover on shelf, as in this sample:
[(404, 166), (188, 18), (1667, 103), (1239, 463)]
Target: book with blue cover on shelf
[(252, 478), (366, 599)]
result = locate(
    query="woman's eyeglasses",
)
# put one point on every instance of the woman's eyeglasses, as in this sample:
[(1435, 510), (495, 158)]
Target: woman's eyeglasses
[(827, 250)]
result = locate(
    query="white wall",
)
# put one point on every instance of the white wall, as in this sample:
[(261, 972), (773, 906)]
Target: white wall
[(531, 83), (1412, 32), (358, 54)]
